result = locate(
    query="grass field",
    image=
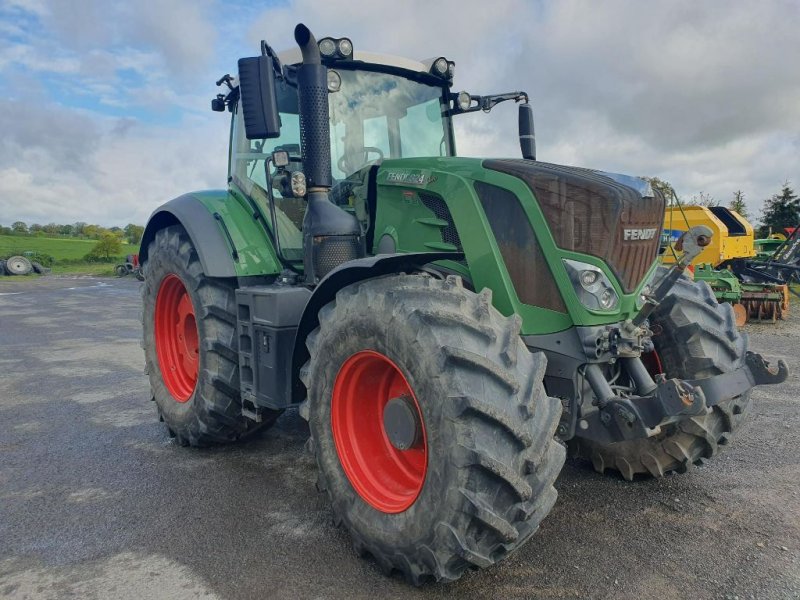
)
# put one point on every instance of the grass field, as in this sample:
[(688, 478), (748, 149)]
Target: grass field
[(62, 249)]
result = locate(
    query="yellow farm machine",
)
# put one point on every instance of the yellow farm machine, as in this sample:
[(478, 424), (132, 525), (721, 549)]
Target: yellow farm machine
[(756, 283)]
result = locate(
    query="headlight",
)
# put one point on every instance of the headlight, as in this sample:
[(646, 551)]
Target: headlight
[(327, 47), (593, 288), (334, 81), (464, 101), (345, 47), (298, 184)]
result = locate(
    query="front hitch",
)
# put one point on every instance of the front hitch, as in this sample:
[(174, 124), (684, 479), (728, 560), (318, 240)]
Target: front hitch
[(763, 373), (618, 418)]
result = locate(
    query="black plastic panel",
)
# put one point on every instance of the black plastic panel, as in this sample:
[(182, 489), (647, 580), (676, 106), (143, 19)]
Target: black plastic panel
[(524, 259), (267, 320)]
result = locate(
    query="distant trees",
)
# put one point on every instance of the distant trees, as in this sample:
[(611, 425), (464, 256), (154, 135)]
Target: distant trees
[(665, 187), (134, 233), (131, 232), (780, 211), (107, 246), (703, 199), (738, 204)]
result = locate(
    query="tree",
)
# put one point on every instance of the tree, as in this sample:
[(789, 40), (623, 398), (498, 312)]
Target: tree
[(738, 204), (78, 228), (107, 245), (782, 210), (19, 227), (35, 228), (66, 229), (703, 199), (134, 233), (50, 229), (665, 187)]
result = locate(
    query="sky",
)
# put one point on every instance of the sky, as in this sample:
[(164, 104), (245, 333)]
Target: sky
[(105, 109)]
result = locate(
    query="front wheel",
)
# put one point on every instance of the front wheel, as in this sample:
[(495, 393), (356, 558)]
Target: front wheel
[(190, 345), (432, 431), (697, 338)]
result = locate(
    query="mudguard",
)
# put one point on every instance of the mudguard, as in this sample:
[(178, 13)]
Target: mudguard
[(231, 238), (344, 275)]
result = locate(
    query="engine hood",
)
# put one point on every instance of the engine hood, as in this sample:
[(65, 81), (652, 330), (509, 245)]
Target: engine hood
[(614, 217)]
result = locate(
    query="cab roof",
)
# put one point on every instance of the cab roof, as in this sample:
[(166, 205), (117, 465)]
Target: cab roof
[(293, 56)]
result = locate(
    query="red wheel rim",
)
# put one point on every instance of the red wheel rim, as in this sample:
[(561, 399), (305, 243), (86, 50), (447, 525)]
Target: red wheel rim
[(177, 344), (386, 478)]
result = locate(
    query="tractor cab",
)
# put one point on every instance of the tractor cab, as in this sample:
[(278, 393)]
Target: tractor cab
[(379, 107)]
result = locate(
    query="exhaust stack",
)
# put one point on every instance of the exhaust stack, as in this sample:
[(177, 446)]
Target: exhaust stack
[(331, 236)]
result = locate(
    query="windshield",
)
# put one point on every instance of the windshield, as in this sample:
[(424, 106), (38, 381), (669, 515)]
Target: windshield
[(378, 115), (373, 116)]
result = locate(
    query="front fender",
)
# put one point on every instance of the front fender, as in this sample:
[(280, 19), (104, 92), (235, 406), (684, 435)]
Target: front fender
[(342, 276)]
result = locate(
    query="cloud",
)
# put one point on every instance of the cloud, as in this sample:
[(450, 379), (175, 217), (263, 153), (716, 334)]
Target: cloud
[(180, 32), (109, 115), (58, 165)]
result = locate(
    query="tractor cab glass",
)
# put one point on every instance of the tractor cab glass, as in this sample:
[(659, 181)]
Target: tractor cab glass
[(373, 116), (379, 115)]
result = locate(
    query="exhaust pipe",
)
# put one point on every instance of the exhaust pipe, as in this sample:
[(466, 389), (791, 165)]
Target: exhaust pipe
[(312, 89), (331, 236)]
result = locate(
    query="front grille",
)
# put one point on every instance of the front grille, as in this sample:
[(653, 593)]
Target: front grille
[(589, 212)]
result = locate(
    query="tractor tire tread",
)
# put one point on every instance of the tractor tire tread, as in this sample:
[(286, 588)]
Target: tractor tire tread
[(215, 415), (510, 487)]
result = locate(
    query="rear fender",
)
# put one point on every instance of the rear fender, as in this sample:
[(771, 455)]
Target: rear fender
[(229, 241)]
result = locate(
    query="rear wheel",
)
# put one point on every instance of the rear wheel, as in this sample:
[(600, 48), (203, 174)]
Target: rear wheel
[(698, 338), (190, 345), (431, 428)]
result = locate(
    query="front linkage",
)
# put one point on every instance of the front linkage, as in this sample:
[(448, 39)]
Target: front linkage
[(660, 400)]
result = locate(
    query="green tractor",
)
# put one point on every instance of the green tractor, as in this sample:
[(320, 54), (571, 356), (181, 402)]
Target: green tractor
[(448, 326)]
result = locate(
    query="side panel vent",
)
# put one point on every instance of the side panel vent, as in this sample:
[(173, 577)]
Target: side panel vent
[(438, 207)]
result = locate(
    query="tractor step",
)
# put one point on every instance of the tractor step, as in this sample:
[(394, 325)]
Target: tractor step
[(266, 324)]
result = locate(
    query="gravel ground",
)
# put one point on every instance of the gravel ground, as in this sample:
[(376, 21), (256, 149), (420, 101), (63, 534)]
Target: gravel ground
[(96, 501)]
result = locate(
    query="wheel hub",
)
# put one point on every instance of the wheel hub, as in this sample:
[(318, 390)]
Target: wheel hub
[(401, 423)]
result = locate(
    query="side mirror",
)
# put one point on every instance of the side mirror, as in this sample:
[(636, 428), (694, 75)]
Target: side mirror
[(259, 102), (527, 137)]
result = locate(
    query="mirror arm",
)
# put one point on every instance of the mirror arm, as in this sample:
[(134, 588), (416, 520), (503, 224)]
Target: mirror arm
[(266, 50), (486, 103)]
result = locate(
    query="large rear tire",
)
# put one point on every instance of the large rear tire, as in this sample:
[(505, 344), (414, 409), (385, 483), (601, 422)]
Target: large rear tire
[(475, 479), (191, 347), (698, 338)]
